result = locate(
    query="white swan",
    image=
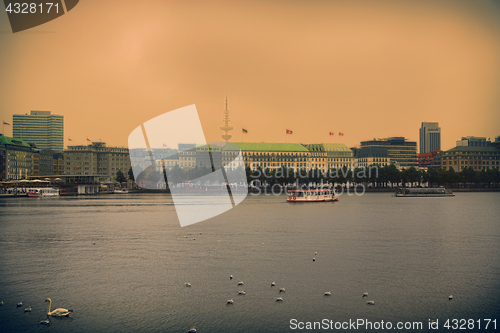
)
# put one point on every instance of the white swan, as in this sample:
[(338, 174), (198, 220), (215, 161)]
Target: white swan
[(279, 299), (365, 294), (241, 292), (57, 312), (187, 284), (18, 305), (450, 297), (28, 309), (240, 283), (230, 277), (327, 293), (230, 301), (273, 284), (370, 302), (282, 290), (192, 330), (314, 259)]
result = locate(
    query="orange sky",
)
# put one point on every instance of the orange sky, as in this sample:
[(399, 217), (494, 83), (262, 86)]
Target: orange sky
[(369, 69)]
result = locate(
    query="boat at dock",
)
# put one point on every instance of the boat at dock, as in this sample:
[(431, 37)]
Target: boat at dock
[(43, 192), (424, 192), (310, 195)]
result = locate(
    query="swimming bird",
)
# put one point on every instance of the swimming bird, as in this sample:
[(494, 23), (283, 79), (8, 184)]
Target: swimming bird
[(59, 312), (187, 284), (314, 259), (45, 322), (230, 277), (192, 330), (273, 284), (315, 253), (241, 292), (18, 305), (450, 297), (282, 290), (185, 236), (194, 238), (327, 293), (28, 309), (1, 303), (230, 301), (279, 299), (370, 302), (240, 283), (365, 294)]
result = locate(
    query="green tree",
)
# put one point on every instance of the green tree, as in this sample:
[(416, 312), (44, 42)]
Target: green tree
[(131, 174), (120, 177)]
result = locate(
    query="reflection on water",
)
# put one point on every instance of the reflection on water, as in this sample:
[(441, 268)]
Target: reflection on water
[(121, 262)]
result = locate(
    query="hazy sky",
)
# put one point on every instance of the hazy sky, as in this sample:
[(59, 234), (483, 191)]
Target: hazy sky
[(369, 69)]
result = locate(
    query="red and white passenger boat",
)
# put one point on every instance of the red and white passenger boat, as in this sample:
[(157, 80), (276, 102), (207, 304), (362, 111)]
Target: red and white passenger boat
[(308, 195), (43, 192)]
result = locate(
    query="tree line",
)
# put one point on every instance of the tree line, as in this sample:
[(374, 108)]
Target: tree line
[(374, 175)]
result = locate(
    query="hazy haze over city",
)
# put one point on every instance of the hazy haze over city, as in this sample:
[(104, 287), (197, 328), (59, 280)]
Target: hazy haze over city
[(368, 69)]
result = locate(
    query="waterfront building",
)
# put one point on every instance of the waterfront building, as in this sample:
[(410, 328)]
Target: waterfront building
[(473, 141), (209, 155), (366, 156), (430, 137), (478, 158), (401, 151), (267, 155), (42, 128), (17, 158), (96, 159), (429, 160), (338, 156), (187, 155)]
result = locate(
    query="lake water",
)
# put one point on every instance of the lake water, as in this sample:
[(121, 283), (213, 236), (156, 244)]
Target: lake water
[(121, 261)]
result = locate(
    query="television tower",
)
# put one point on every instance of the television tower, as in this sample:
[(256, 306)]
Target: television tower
[(226, 128)]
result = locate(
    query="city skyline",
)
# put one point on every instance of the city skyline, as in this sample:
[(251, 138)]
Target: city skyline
[(367, 70)]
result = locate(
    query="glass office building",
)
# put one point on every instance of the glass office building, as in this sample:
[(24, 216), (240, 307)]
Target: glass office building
[(42, 128)]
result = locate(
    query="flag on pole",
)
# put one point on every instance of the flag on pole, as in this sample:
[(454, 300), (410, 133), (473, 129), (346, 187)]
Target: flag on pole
[(331, 133), (164, 146), (70, 139), (244, 130), (341, 134), (5, 123), (23, 126), (88, 140), (288, 132)]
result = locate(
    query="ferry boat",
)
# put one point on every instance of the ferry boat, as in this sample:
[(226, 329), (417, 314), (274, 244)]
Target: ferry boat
[(424, 192), (309, 195), (43, 192)]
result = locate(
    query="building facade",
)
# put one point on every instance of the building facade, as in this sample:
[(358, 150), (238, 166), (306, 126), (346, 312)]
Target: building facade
[(401, 151), (367, 156), (478, 158), (429, 160), (42, 128), (473, 141), (17, 158), (96, 159), (430, 137)]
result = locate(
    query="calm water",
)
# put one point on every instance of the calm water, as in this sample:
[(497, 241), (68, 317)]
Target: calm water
[(120, 262)]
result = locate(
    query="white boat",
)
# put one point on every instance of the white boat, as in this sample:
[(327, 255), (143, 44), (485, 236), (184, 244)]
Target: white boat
[(308, 195), (120, 191), (424, 192), (43, 192)]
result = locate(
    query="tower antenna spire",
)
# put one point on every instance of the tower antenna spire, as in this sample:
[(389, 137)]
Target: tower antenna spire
[(226, 128)]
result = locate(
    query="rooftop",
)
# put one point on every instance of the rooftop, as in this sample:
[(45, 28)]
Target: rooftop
[(263, 146)]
